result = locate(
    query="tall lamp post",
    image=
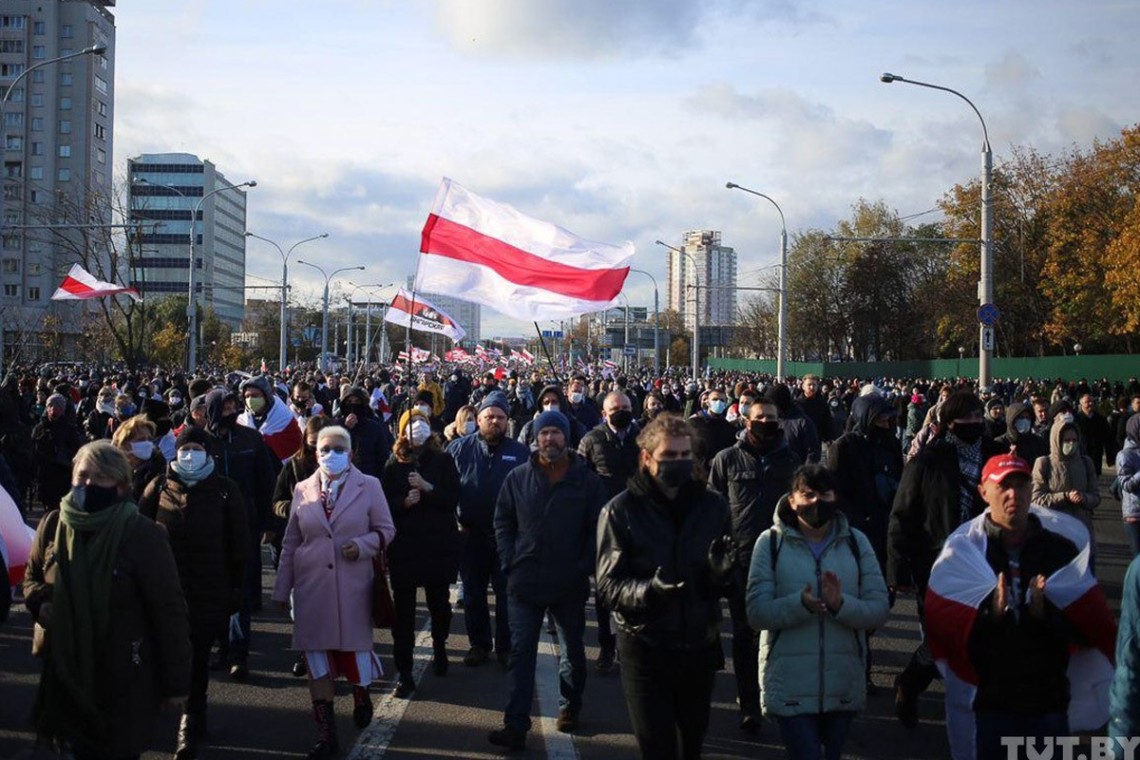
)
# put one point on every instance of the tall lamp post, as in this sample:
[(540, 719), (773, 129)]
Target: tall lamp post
[(986, 286), (656, 324), (325, 314), (90, 50), (283, 347), (351, 347), (782, 320), (696, 306), (191, 302)]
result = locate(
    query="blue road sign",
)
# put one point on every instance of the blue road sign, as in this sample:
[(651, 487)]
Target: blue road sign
[(989, 314), (557, 333), (548, 333), (631, 350)]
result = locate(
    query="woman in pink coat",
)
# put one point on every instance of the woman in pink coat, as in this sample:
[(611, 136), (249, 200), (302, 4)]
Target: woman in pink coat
[(338, 519)]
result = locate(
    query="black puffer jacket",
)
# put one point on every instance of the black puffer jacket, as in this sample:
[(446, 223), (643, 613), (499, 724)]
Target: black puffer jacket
[(425, 551), (641, 530), (1029, 445), (613, 458), (208, 535)]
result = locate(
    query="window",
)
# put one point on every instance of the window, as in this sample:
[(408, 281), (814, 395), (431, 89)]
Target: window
[(36, 172), (17, 95), (11, 291), (100, 85), (13, 119), (12, 22), (65, 126), (100, 156), (38, 76), (34, 293), (67, 31), (11, 192), (11, 70), (65, 151), (66, 78), (65, 104), (35, 268), (100, 132), (38, 99), (11, 266), (11, 242), (14, 142), (13, 169), (33, 196), (39, 51), (37, 148), (39, 27), (101, 107), (64, 175), (11, 46), (37, 124)]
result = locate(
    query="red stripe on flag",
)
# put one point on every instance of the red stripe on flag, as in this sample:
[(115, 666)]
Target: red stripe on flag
[(948, 627), (1089, 614), (443, 237), (75, 287)]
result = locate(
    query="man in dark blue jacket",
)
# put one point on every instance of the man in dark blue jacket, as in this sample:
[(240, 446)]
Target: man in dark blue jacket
[(483, 460), (546, 522)]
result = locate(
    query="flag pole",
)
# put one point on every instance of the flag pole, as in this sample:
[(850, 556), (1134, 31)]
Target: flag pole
[(546, 351)]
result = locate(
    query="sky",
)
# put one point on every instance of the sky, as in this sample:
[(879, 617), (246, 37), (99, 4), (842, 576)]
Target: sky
[(618, 120)]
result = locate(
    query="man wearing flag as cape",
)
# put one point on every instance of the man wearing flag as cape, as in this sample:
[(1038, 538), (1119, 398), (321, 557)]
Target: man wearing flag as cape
[(1018, 625)]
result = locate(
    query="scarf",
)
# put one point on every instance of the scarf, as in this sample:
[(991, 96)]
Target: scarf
[(191, 477), (70, 701), (970, 468)]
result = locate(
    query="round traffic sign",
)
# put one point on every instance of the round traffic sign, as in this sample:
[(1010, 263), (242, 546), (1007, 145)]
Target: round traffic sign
[(989, 314)]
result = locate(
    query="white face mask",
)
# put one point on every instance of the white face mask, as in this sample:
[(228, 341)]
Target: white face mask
[(142, 449), (550, 407), (1068, 447), (191, 459), (334, 462), (1022, 425), (576, 397), (1066, 418), (418, 432), (425, 409), (469, 428)]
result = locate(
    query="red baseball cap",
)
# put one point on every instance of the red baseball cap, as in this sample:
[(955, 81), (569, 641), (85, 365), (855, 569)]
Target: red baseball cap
[(999, 467)]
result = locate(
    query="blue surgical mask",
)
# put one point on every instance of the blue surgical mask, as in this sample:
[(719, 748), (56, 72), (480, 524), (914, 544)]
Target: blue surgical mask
[(142, 449), (718, 407)]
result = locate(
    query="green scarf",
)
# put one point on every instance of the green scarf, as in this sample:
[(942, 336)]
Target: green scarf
[(70, 703)]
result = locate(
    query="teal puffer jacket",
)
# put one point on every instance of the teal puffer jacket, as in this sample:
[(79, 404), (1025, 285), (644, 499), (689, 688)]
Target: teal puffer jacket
[(813, 663)]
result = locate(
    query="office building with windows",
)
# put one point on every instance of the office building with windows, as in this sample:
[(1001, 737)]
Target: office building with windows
[(164, 190), (55, 210), (715, 273)]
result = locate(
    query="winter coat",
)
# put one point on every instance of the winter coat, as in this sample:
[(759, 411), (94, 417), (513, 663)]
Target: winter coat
[(712, 434), (241, 455), (752, 482), (1128, 470), (587, 413), (1055, 475), (332, 595), (146, 472), (1124, 696), (546, 533), (147, 654), (294, 471), (812, 663), (371, 439), (817, 410), (208, 533), (1096, 436), (426, 549), (54, 445), (640, 530), (481, 475), (1029, 446), (614, 458)]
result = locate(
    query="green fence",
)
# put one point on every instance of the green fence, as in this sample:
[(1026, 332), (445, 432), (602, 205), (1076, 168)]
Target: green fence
[(1112, 366)]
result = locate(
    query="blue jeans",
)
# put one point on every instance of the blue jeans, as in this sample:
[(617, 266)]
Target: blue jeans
[(526, 626), (992, 726), (815, 736), (1133, 529), (478, 566)]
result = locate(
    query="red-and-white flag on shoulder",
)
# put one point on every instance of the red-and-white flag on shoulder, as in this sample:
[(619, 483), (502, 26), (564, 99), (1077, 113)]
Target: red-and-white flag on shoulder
[(79, 285), (411, 309), (520, 266), (962, 580)]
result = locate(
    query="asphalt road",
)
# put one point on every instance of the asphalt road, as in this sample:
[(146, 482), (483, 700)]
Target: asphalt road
[(450, 716)]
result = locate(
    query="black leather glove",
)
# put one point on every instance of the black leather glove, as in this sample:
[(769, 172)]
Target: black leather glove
[(721, 558), (663, 588)]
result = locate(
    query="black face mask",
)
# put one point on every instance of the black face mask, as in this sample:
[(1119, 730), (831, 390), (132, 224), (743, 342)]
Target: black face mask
[(819, 514), (301, 404), (674, 473), (968, 432), (92, 498), (621, 419), (651, 413), (764, 433), (228, 421)]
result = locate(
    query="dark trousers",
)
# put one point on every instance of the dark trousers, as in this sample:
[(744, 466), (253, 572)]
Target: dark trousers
[(1133, 529), (990, 727), (478, 567), (606, 637), (404, 628), (668, 694), (745, 652), (526, 626), (240, 628), (817, 736), (921, 670), (200, 643)]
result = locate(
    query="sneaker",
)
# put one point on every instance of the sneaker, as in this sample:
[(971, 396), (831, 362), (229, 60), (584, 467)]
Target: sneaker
[(508, 737), (906, 706), (476, 656), (239, 671), (404, 688), (606, 660), (566, 721)]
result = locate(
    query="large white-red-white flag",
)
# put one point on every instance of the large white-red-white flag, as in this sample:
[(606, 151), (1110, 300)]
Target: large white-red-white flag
[(410, 309), (525, 268), (962, 580), (80, 285)]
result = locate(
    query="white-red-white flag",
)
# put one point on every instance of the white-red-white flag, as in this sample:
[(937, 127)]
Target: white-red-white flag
[(410, 309), (79, 285), (520, 266)]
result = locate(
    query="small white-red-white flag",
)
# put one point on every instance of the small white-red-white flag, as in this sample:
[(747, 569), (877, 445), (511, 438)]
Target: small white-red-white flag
[(79, 285), (520, 266), (409, 309)]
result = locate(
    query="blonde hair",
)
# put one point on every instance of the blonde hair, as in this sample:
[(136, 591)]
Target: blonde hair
[(132, 425), (463, 416), (108, 459)]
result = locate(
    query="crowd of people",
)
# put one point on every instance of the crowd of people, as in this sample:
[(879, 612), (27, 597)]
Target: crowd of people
[(803, 507)]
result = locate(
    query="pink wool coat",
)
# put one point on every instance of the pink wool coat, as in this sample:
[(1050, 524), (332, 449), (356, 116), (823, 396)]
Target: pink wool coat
[(332, 595)]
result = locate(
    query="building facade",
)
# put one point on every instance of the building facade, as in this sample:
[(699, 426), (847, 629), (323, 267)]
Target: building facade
[(56, 204), (715, 273), (164, 191), (469, 315)]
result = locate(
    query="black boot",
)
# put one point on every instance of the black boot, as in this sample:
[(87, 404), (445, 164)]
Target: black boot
[(190, 730), (361, 706), (327, 745), (439, 661)]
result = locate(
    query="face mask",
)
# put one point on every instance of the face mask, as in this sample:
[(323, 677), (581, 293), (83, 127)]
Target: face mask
[(652, 412), (764, 432), (142, 449), (744, 410), (968, 432), (469, 427), (550, 407), (1068, 447), (1066, 418), (175, 402), (93, 498), (191, 459), (425, 409), (819, 514), (576, 397), (107, 407), (453, 378), (301, 404), (621, 418), (255, 404), (674, 473), (334, 462), (419, 431), (127, 411), (1022, 425), (718, 407)]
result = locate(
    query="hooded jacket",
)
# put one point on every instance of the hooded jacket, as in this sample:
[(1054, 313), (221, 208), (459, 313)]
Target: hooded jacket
[(799, 430), (241, 455), (276, 423), (1055, 475), (577, 429), (1029, 446), (371, 439), (1128, 469)]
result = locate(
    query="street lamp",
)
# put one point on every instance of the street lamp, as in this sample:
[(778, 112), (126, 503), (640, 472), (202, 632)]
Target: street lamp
[(961, 353), (325, 315), (282, 348), (191, 304), (352, 294), (90, 50), (986, 286), (696, 306), (656, 324), (625, 340), (782, 322)]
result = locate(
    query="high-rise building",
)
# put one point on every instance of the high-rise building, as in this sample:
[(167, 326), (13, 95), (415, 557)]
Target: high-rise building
[(58, 121), (469, 315), (166, 188), (715, 273)]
